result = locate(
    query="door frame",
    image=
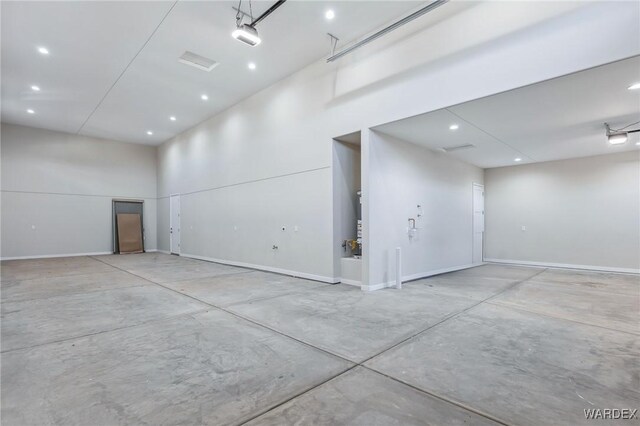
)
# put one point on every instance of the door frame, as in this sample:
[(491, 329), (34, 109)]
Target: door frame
[(473, 222), (174, 250)]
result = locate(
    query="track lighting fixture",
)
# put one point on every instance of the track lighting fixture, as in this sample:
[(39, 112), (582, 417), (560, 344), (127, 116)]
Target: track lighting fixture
[(619, 136), (248, 33)]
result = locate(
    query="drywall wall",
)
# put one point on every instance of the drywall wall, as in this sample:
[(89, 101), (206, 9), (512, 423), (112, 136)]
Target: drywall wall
[(283, 135), (346, 203), (57, 190), (582, 213), (403, 176)]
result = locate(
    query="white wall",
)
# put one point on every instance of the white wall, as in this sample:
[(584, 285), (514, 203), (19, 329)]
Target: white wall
[(401, 177), (282, 136), (583, 212), (57, 190)]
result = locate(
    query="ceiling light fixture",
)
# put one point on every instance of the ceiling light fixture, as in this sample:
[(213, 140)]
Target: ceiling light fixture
[(252, 66), (619, 136), (43, 50), (634, 86), (204, 97), (517, 160), (247, 33), (329, 14), (454, 127), (30, 111), (149, 132), (172, 118), (35, 88)]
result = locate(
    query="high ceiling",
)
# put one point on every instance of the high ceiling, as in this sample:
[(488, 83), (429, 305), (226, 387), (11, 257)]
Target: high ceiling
[(552, 120), (112, 70)]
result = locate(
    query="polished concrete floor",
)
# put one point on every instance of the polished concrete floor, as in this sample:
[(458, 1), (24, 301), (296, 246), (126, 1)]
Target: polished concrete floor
[(163, 340)]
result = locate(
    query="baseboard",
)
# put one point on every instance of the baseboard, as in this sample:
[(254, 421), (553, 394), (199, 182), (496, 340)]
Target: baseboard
[(418, 276), (296, 274), (350, 282), (158, 251), (49, 256), (374, 287), (565, 266)]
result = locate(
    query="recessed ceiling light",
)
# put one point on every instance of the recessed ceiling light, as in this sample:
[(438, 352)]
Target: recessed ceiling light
[(43, 50), (172, 118), (252, 66), (149, 132), (35, 88), (634, 86), (454, 127), (30, 111), (204, 97), (517, 159), (329, 14)]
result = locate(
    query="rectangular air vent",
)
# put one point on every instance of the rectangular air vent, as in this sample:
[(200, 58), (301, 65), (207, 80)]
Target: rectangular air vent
[(457, 148), (200, 62)]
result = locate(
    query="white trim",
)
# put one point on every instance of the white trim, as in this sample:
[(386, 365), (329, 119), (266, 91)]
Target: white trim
[(48, 256), (350, 282), (566, 266), (374, 287), (296, 274), (159, 251), (418, 276)]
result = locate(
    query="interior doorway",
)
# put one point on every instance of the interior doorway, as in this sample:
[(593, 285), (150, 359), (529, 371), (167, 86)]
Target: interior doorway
[(478, 222), (131, 207), (174, 224)]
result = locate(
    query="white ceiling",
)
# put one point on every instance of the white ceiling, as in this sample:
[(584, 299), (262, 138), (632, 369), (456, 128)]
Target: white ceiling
[(552, 120), (113, 69)]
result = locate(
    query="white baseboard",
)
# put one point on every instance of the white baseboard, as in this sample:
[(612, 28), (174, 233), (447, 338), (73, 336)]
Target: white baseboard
[(374, 287), (158, 251), (49, 256), (565, 266), (296, 274), (418, 276), (350, 282)]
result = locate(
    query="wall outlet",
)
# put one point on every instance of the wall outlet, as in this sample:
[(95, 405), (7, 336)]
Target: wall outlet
[(524, 228), (33, 227), (296, 228)]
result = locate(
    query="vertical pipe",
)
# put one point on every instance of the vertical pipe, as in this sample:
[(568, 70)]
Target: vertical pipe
[(398, 269)]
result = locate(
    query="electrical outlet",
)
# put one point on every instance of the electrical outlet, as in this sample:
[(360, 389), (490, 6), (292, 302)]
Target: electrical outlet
[(296, 228), (524, 228)]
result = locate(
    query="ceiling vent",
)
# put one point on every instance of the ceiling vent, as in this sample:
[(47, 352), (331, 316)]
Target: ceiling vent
[(200, 62), (457, 148)]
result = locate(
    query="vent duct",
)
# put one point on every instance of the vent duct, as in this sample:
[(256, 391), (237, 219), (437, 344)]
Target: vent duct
[(197, 61), (458, 148)]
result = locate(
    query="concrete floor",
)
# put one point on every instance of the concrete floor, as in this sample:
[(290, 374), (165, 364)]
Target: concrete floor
[(157, 339)]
